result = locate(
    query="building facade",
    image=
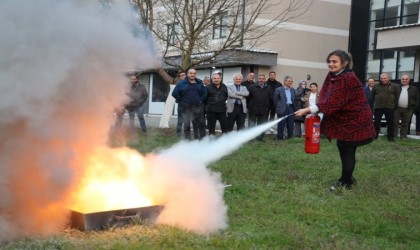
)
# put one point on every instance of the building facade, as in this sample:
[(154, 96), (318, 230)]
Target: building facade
[(390, 42), (297, 48)]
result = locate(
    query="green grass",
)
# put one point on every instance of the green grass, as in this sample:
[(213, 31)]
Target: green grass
[(279, 200)]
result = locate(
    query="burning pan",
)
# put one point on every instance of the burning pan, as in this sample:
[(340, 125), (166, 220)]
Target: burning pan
[(114, 218)]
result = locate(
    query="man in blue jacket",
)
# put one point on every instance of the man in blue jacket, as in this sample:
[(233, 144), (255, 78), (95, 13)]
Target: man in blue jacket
[(284, 100), (190, 93)]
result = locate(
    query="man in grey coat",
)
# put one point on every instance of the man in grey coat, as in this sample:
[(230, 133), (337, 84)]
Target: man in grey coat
[(137, 98), (284, 100), (236, 103)]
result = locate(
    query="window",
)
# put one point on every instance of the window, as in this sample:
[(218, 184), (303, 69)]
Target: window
[(410, 11), (172, 33), (220, 26), (390, 18), (386, 13), (160, 89)]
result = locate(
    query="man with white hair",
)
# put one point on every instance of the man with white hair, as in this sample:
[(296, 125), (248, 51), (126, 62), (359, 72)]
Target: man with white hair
[(408, 100), (236, 104)]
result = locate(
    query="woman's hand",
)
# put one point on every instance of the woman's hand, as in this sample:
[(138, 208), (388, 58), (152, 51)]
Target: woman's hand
[(302, 112)]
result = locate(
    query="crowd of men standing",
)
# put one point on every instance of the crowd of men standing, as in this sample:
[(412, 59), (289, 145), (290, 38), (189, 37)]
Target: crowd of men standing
[(396, 103), (204, 104)]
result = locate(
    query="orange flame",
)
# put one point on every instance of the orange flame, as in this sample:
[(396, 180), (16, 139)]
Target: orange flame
[(112, 181)]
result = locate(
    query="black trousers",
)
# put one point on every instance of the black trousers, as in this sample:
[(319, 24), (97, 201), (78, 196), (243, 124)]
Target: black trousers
[(389, 117), (289, 122), (272, 111), (212, 118), (179, 121), (257, 119), (194, 115), (348, 158), (236, 116)]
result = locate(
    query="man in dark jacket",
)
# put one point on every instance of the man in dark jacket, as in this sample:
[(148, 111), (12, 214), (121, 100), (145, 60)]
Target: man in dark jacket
[(249, 80), (284, 99), (138, 96), (417, 110), (217, 94), (247, 83), (368, 91), (407, 102), (191, 93), (273, 84), (384, 97), (260, 96), (182, 76)]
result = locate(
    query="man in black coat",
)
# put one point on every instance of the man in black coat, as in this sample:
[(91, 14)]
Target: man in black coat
[(137, 98), (260, 97), (217, 95), (273, 84)]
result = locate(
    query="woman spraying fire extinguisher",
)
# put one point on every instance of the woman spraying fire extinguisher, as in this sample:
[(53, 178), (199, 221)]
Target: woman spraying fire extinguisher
[(347, 116)]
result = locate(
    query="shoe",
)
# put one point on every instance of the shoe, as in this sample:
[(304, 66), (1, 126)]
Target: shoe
[(391, 139), (339, 185), (335, 186)]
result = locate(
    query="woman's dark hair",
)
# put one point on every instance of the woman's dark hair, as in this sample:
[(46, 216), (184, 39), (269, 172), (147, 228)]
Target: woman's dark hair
[(313, 83), (345, 57)]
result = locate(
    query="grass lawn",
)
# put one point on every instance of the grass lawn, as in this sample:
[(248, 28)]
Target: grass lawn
[(279, 200)]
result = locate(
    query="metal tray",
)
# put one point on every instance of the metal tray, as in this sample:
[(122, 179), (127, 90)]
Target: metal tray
[(114, 218)]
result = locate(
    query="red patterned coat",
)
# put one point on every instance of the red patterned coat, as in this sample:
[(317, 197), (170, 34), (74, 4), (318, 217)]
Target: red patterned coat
[(347, 115)]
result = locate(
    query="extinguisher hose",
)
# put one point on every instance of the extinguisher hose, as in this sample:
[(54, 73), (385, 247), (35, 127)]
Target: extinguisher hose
[(284, 117)]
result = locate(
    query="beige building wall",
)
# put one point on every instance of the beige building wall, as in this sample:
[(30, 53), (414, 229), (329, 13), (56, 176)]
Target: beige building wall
[(302, 44)]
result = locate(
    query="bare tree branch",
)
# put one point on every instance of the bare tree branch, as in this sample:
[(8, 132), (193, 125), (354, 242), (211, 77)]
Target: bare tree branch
[(190, 33)]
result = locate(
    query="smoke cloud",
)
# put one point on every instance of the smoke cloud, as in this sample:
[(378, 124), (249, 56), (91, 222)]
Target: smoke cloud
[(193, 195), (62, 69)]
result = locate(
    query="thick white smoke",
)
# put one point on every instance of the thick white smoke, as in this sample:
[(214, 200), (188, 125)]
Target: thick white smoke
[(62, 69), (193, 195)]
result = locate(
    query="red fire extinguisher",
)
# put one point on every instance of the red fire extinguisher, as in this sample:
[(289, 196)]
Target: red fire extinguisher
[(312, 133)]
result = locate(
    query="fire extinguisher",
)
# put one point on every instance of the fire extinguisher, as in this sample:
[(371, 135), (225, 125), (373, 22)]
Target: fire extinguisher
[(312, 133)]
